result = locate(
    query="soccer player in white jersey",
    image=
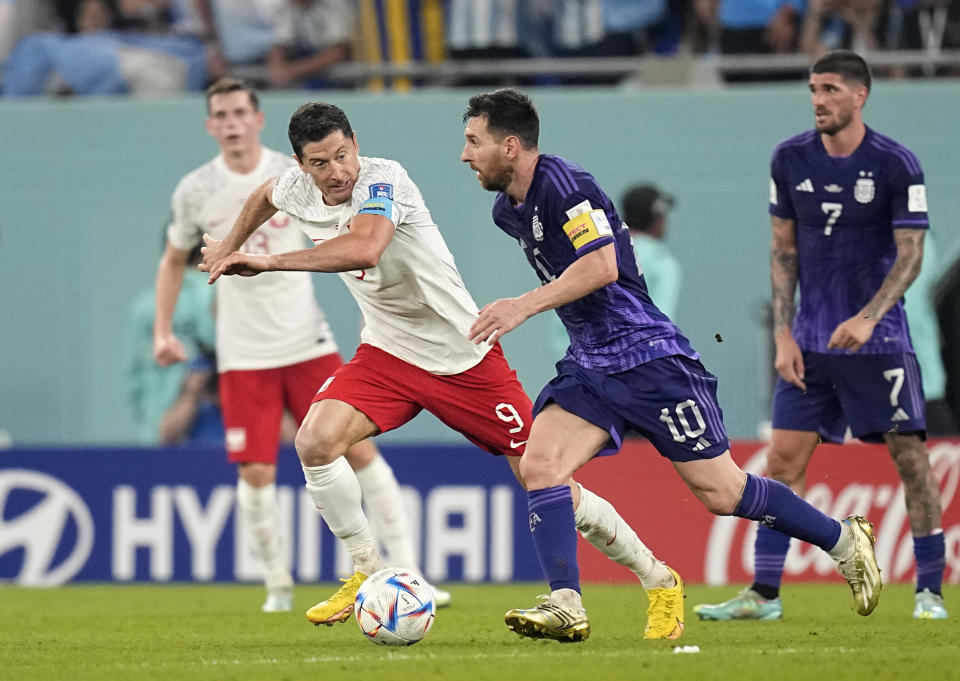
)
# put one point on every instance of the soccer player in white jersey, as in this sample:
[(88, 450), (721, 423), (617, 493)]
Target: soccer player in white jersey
[(274, 347), (370, 224)]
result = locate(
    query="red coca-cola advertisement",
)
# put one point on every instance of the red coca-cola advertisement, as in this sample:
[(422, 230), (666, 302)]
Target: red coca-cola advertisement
[(847, 479)]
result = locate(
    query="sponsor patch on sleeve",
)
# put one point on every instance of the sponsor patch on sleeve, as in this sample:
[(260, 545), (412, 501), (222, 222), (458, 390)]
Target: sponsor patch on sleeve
[(380, 205), (917, 198), (587, 227), (773, 192), (381, 189), (579, 209)]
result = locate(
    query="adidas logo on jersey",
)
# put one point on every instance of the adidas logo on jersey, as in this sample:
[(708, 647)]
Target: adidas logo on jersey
[(702, 444), (900, 415), (805, 186)]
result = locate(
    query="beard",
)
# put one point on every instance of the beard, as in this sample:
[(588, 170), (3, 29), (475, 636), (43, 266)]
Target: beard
[(497, 180), (840, 121)]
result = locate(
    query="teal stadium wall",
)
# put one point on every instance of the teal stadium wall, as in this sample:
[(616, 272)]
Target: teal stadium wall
[(86, 188)]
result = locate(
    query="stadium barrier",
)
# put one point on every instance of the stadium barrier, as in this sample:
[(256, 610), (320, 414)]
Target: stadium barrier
[(159, 515)]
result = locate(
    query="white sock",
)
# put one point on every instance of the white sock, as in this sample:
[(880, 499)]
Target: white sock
[(844, 548), (569, 598), (335, 492), (601, 525), (387, 517), (260, 518)]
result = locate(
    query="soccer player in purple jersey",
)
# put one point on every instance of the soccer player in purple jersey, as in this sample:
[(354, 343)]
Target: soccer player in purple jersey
[(628, 367), (849, 213)]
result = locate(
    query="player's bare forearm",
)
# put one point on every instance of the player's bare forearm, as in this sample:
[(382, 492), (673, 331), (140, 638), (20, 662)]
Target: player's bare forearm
[(588, 274), (167, 349), (905, 269), (358, 249), (783, 274)]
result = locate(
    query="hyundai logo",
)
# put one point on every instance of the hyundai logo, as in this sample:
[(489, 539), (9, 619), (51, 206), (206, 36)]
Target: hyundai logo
[(39, 530)]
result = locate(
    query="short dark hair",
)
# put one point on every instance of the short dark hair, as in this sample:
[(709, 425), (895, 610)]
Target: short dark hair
[(642, 204), (314, 121), (508, 112), (848, 65), (227, 85)]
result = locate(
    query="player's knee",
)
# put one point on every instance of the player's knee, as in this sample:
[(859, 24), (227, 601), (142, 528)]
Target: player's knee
[(361, 454), (258, 474), (539, 471), (783, 467), (316, 445), (719, 503)]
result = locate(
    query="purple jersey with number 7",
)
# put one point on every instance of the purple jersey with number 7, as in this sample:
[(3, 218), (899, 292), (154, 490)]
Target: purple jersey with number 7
[(845, 210)]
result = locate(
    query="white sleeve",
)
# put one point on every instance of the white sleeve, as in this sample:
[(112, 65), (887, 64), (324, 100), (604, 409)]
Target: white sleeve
[(391, 180), (287, 190), (184, 231)]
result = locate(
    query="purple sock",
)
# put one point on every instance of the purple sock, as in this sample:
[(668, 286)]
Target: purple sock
[(554, 533), (930, 554), (769, 553), (775, 505)]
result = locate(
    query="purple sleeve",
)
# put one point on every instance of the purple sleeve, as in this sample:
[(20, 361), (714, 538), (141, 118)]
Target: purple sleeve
[(908, 196), (781, 205)]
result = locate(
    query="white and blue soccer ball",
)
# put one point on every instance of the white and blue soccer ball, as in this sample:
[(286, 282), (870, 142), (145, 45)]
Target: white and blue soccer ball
[(395, 607)]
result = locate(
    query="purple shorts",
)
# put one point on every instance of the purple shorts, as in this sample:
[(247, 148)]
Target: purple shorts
[(872, 394), (672, 401)]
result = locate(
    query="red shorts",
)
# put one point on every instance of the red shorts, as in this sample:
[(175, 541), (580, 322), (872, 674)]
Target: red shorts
[(486, 403), (253, 402)]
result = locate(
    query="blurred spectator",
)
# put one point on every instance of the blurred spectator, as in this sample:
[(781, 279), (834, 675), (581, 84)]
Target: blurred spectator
[(19, 18), (151, 389), (644, 208), (606, 28), (611, 28), (758, 26), (195, 416), (840, 24), (753, 27), (930, 25), (238, 32), (100, 59), (491, 29), (311, 36)]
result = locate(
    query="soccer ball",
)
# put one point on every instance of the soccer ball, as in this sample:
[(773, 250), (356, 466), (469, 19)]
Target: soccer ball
[(394, 607)]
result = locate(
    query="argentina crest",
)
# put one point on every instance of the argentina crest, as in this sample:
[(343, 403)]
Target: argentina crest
[(536, 226), (864, 190)]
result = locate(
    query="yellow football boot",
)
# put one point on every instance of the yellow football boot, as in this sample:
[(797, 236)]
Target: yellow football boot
[(338, 607)]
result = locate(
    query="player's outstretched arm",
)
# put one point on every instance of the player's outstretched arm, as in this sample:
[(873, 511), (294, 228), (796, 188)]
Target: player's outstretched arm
[(359, 248), (257, 209), (854, 332), (589, 273)]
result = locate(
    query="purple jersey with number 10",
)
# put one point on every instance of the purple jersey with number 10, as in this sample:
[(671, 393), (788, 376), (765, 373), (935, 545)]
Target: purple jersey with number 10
[(845, 210), (565, 216)]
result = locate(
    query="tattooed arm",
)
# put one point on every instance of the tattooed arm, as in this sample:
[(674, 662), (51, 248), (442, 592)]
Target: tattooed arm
[(854, 332), (783, 280)]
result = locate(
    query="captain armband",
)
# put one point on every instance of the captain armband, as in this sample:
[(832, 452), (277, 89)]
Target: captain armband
[(587, 228), (378, 205)]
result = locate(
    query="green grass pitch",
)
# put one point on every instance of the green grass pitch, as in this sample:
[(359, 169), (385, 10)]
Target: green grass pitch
[(187, 631)]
